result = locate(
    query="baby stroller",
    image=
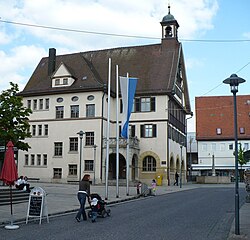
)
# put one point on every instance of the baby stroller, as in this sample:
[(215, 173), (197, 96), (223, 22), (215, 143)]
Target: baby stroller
[(102, 211)]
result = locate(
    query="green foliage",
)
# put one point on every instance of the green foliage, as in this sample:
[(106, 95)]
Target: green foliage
[(241, 158), (14, 123)]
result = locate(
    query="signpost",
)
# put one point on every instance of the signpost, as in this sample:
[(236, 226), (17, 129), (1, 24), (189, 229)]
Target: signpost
[(37, 207)]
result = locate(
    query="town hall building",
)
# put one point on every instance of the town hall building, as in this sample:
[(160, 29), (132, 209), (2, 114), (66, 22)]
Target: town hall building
[(68, 94)]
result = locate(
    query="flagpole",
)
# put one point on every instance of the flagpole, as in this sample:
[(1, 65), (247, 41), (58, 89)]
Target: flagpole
[(108, 120), (127, 154), (117, 132)]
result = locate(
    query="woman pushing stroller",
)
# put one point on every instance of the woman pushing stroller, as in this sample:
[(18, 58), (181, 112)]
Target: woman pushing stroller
[(83, 193)]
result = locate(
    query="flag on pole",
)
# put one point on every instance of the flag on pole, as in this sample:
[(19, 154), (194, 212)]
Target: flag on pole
[(128, 87)]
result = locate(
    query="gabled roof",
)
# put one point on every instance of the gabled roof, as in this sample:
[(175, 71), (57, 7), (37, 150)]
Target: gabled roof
[(217, 112), (155, 65)]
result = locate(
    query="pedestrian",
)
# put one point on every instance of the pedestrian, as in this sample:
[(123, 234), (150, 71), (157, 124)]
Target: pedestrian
[(176, 178), (95, 206), (22, 184), (82, 195), (138, 188), (153, 187)]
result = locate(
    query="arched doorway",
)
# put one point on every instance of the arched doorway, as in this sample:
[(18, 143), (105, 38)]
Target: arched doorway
[(112, 166)]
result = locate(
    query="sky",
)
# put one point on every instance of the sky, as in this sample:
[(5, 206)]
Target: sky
[(215, 35)]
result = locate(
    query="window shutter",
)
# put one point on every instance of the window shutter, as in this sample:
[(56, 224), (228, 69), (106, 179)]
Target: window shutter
[(121, 105), (133, 131), (142, 131), (152, 102), (137, 105), (154, 130)]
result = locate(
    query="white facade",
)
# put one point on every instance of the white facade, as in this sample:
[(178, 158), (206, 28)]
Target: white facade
[(47, 130), (223, 154)]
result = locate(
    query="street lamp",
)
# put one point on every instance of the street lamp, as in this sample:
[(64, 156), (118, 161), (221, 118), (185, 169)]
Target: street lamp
[(181, 146), (95, 146), (80, 166), (234, 82)]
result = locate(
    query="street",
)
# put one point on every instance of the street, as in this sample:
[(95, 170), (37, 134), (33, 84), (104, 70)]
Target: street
[(203, 213)]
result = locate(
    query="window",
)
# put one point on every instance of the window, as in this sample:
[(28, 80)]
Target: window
[(33, 130), (149, 164), (58, 146), (74, 111), (242, 130), (57, 82), (90, 110), (34, 104), (72, 170), (218, 131), (73, 144), (148, 130), (40, 104), (144, 104), (65, 81), (57, 173), (38, 159), (74, 99), (29, 104), (89, 138), (204, 147), (222, 147), (32, 159), (231, 146), (59, 100), (213, 146), (26, 162), (47, 103), (45, 159), (46, 129), (246, 146), (89, 165), (90, 97), (39, 130), (59, 111)]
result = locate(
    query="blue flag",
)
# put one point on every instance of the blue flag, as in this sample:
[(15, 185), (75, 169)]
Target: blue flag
[(128, 87)]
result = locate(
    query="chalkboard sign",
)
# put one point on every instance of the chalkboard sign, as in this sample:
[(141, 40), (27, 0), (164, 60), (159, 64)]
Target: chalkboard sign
[(37, 204)]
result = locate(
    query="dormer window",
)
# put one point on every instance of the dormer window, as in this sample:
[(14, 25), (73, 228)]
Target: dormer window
[(62, 77)]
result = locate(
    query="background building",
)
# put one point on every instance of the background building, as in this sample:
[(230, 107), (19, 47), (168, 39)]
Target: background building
[(215, 133)]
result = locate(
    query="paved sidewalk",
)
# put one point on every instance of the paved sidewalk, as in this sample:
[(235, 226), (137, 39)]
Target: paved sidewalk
[(61, 198)]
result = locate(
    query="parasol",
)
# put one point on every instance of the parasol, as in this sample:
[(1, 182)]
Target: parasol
[(9, 176)]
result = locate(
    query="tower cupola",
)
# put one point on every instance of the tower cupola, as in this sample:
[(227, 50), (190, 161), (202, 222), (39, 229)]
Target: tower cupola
[(169, 26)]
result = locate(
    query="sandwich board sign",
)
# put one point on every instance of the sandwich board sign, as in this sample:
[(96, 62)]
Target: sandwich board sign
[(37, 207)]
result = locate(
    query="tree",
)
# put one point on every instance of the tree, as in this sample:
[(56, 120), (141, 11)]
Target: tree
[(242, 159), (14, 123)]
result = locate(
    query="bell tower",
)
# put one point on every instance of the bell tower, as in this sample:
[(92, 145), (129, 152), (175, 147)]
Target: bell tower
[(169, 26)]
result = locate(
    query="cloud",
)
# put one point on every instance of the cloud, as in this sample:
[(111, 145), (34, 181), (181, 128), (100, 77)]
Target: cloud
[(20, 61), (23, 47), (246, 35)]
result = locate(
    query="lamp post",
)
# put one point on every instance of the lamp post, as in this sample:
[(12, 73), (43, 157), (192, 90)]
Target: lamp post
[(190, 159), (80, 166), (234, 82), (95, 146), (181, 146)]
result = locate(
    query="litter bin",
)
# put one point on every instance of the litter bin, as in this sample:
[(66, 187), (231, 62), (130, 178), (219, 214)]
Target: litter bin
[(159, 180)]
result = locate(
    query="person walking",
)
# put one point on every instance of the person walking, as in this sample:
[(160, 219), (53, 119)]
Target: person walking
[(153, 187), (176, 178), (83, 193)]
